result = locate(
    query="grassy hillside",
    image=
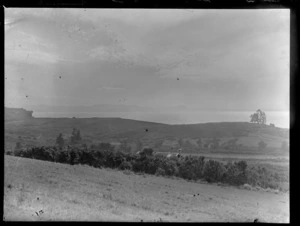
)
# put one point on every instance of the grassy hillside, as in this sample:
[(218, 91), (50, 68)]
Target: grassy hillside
[(44, 191), (43, 131)]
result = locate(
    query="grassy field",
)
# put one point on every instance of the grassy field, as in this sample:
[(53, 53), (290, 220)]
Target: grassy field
[(45, 191)]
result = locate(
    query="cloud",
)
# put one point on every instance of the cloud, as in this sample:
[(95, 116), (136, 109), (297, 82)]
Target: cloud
[(141, 18), (221, 57), (108, 88)]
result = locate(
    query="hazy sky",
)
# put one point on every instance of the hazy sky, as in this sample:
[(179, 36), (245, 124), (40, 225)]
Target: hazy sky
[(163, 60)]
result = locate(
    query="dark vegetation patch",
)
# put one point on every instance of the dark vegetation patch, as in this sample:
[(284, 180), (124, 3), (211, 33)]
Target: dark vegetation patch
[(188, 167)]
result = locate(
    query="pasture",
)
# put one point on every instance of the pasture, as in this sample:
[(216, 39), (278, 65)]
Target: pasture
[(46, 191)]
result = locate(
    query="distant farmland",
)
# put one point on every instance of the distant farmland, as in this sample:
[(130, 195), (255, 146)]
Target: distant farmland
[(43, 131)]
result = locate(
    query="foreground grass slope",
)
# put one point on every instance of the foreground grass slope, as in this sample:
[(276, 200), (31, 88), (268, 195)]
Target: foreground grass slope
[(39, 190)]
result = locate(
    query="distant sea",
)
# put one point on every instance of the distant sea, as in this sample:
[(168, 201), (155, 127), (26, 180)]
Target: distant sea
[(279, 118)]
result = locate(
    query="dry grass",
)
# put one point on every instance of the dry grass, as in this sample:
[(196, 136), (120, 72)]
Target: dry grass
[(44, 191)]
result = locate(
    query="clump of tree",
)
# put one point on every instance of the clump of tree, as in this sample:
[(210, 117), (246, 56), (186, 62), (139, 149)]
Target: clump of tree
[(230, 144), (189, 167), (259, 117)]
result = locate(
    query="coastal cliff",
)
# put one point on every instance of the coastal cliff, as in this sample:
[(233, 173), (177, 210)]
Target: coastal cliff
[(12, 114)]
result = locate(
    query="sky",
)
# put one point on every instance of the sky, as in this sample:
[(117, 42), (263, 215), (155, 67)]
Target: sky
[(163, 65)]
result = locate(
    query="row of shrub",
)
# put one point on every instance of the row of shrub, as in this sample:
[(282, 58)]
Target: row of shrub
[(188, 167)]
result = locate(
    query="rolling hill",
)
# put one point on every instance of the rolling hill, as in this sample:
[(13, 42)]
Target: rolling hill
[(43, 131)]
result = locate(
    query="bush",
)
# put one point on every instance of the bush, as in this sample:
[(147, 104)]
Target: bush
[(169, 167), (125, 166), (108, 159), (242, 166), (42, 153), (149, 166), (99, 158), (257, 176), (183, 172), (74, 157), (235, 173), (62, 156), (119, 158), (193, 166), (137, 166), (247, 187), (190, 167), (106, 147), (85, 157), (9, 152), (17, 152), (147, 152), (160, 172), (213, 171)]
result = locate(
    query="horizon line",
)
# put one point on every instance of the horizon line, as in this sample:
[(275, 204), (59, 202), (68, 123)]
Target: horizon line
[(212, 122)]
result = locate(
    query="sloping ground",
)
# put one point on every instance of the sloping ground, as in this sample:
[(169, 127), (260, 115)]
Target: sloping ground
[(37, 190)]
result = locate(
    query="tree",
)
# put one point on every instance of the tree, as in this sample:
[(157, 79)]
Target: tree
[(78, 136), (259, 117), (139, 145), (188, 145), (19, 144), (124, 147), (104, 146), (230, 144), (158, 144), (146, 152), (84, 146), (199, 142), (261, 145), (60, 140), (214, 143), (75, 137), (180, 142)]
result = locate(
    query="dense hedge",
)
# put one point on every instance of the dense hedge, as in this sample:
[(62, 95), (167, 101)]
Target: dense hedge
[(189, 167)]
